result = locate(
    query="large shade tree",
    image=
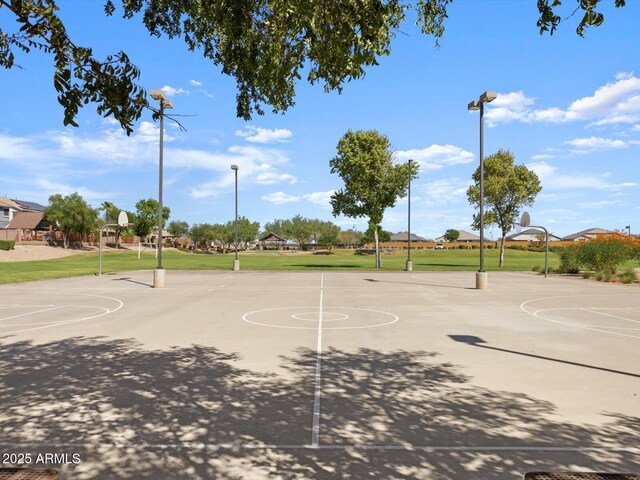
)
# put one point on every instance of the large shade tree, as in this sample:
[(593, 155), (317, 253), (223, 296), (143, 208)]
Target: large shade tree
[(265, 45), (146, 219), (71, 214), (507, 188), (372, 181)]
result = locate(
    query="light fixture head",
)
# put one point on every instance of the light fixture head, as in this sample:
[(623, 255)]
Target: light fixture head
[(234, 167), (475, 105), (157, 95), (488, 96)]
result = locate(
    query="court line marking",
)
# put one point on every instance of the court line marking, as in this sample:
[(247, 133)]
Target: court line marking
[(395, 318), (568, 324), (68, 322), (259, 446), (315, 429), (51, 307)]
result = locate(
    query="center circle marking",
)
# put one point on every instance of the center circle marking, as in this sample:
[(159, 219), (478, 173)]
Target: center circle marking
[(278, 318), (315, 316)]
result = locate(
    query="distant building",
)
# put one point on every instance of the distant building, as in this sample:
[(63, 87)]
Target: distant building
[(588, 234), (531, 235), (404, 236), (9, 208), (464, 237)]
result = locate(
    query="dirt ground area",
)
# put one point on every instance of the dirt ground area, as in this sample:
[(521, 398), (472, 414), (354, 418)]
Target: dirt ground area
[(25, 253)]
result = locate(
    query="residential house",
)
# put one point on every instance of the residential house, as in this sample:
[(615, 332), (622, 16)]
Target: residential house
[(588, 234), (464, 237), (404, 236), (531, 235)]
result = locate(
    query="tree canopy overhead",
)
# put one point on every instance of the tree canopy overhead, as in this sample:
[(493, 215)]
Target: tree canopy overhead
[(264, 44)]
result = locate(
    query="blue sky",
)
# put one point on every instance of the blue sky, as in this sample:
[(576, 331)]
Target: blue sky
[(568, 108)]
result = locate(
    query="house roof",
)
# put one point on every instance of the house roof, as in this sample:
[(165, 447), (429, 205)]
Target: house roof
[(36, 207), (272, 236), (586, 233), (464, 237), (7, 202), (529, 232), (404, 236), (26, 220)]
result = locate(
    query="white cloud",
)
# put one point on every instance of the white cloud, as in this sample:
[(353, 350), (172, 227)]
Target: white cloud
[(600, 204), (264, 135), (586, 145), (436, 157), (169, 91), (195, 83), (542, 156), (615, 102), (269, 178), (319, 198), (551, 179), (322, 199), (280, 198), (445, 191)]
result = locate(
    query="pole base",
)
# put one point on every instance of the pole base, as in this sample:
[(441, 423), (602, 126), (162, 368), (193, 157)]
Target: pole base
[(159, 278), (236, 265), (409, 266), (482, 280)]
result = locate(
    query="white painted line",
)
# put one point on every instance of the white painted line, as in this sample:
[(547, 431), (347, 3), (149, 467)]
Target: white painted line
[(32, 313), (106, 311), (262, 446), (595, 310), (315, 429), (523, 307)]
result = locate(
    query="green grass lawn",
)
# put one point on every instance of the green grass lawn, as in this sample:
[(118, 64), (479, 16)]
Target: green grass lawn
[(119, 261)]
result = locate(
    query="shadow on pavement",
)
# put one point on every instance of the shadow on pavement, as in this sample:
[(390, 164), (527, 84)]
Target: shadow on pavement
[(104, 398)]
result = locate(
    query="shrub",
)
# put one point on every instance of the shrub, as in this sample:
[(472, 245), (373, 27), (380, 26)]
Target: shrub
[(460, 247), (7, 244), (606, 252), (586, 274), (569, 259), (536, 268), (628, 276)]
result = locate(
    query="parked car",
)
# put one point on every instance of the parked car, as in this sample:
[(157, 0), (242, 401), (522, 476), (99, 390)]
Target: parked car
[(439, 246)]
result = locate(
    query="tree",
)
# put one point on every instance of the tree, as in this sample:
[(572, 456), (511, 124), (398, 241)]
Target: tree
[(328, 234), (369, 236), (299, 229), (178, 228), (204, 234), (263, 44), (70, 214), (111, 215), (372, 182), (507, 188), (451, 235), (147, 217)]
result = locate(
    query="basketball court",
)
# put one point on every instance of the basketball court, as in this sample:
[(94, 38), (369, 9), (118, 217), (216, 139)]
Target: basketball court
[(314, 375)]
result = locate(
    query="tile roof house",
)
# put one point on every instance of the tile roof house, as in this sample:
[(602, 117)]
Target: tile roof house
[(587, 234), (404, 236), (10, 207), (464, 237), (530, 235)]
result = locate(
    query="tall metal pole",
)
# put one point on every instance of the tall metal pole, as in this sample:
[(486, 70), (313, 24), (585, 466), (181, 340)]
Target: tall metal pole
[(159, 240), (236, 223), (481, 187), (409, 217)]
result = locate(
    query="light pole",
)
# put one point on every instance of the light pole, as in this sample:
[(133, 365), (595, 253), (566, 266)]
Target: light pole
[(236, 261), (628, 227), (165, 103), (486, 97), (409, 266)]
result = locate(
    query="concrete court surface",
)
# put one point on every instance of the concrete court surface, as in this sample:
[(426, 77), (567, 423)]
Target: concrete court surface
[(320, 375)]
